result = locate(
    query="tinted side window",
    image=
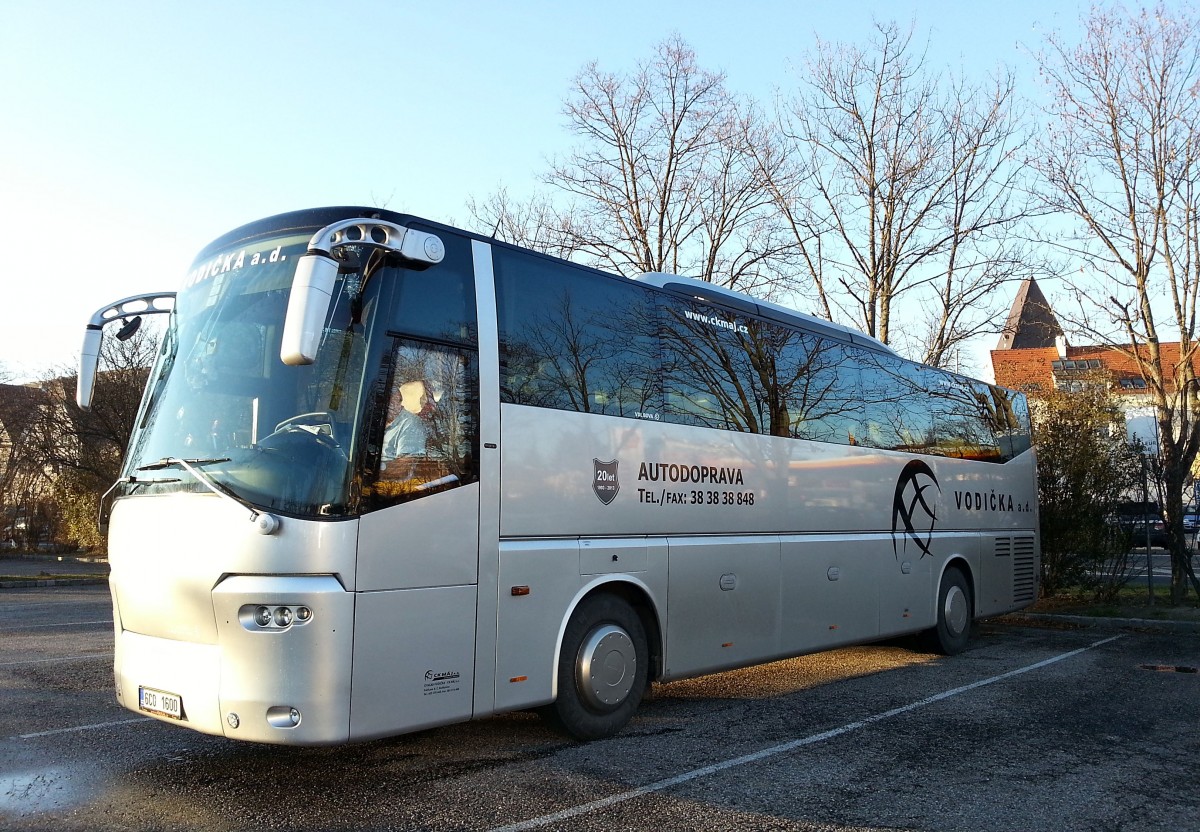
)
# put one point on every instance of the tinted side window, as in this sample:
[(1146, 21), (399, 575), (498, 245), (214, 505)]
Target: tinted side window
[(895, 403), (787, 368), (825, 402), (726, 370), (712, 360), (422, 410), (1008, 413), (437, 302), (962, 418), (572, 339), (1018, 430), (430, 439)]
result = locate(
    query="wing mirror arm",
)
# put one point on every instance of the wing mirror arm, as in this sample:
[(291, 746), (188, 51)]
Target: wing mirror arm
[(317, 270), (128, 310)]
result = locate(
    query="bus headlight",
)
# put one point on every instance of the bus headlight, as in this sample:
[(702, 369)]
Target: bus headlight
[(258, 617)]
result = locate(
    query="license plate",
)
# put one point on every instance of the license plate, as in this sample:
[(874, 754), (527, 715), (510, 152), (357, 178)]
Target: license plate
[(160, 702)]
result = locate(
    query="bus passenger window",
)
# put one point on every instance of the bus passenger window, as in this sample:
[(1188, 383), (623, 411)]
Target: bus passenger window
[(588, 343)]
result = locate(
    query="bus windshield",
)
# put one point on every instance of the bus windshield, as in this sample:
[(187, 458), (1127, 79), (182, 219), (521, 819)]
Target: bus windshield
[(278, 437)]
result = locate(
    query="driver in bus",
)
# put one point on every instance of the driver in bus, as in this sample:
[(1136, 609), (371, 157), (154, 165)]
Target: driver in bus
[(414, 455), (407, 435)]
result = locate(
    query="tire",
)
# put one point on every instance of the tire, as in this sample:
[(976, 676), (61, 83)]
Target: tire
[(955, 610), (602, 670)]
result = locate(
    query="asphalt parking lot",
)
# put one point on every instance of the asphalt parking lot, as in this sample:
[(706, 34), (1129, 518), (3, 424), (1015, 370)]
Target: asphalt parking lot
[(1030, 728)]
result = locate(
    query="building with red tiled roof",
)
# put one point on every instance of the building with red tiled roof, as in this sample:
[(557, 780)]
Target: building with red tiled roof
[(1033, 356)]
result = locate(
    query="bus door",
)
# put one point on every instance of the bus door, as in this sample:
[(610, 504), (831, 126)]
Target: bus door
[(417, 574)]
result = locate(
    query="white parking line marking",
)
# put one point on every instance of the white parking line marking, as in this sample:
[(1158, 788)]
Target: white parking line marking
[(80, 728), (783, 748)]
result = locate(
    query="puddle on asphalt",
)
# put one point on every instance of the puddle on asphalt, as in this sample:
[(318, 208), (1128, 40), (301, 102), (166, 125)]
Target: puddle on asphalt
[(39, 790)]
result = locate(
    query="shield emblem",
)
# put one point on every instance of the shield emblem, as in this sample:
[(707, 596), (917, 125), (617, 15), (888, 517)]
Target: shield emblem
[(604, 480)]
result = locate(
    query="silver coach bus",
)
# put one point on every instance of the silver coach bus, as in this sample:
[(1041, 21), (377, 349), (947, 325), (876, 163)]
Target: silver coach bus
[(389, 475)]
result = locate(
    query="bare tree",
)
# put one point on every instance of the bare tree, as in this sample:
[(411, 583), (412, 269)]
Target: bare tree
[(663, 179), (94, 442), (1122, 160), (24, 479), (535, 223), (897, 183), (83, 450)]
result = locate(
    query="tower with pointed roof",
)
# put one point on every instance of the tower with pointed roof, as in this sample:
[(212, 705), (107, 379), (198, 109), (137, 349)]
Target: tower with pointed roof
[(1031, 322)]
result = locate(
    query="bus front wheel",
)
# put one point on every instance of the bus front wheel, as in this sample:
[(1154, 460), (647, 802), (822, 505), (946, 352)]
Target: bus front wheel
[(954, 613), (602, 669)]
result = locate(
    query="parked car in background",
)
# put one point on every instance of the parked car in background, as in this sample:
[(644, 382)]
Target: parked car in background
[(1191, 521), (1135, 518), (1158, 534)]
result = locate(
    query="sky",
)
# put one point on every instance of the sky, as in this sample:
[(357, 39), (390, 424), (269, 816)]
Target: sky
[(134, 133)]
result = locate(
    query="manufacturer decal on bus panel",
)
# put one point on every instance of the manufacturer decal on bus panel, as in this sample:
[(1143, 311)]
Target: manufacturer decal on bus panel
[(441, 681), (914, 508), (604, 480)]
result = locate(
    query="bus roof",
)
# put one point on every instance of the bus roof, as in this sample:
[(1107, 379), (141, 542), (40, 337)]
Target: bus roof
[(677, 284)]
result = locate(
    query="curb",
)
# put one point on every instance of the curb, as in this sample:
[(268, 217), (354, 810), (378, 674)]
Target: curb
[(45, 582), (57, 558), (1102, 623)]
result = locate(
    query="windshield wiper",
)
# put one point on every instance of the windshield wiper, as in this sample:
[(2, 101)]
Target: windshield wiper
[(168, 461), (263, 522)]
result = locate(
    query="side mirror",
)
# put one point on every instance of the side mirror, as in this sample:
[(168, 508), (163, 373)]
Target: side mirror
[(312, 292), (89, 361), (317, 270), (128, 309)]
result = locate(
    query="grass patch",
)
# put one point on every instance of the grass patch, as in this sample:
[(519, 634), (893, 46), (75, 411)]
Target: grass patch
[(1130, 602)]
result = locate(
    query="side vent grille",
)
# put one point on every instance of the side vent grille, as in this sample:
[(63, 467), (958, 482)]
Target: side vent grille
[(1024, 572)]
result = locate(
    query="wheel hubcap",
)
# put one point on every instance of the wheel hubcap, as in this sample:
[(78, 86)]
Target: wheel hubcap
[(956, 611), (606, 667)]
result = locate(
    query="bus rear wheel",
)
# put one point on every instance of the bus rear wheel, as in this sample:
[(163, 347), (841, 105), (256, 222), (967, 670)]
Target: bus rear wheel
[(602, 669), (954, 613)]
